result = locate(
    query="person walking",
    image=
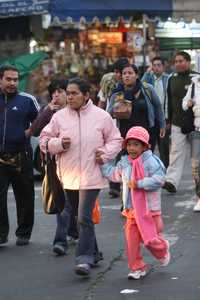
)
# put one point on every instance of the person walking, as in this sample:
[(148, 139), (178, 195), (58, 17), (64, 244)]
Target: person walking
[(109, 81), (159, 79), (180, 145), (58, 96), (192, 100), (142, 174), (146, 110), (82, 136), (17, 110)]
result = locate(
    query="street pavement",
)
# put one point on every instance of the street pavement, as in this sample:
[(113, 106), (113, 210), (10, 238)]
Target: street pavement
[(34, 272)]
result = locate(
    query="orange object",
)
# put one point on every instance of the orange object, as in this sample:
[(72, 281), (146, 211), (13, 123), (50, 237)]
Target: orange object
[(96, 214)]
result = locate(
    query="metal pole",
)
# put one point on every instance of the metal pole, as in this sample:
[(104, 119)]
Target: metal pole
[(144, 40)]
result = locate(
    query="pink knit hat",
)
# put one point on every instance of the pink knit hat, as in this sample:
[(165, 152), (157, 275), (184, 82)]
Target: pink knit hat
[(138, 133)]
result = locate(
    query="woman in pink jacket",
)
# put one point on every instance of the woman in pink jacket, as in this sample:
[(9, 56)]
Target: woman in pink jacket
[(82, 136)]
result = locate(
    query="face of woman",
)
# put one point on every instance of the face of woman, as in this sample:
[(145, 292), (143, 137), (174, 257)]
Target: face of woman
[(75, 98), (59, 98), (129, 76)]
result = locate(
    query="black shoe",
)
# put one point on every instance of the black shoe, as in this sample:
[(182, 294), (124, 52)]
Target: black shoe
[(98, 257), (21, 241), (3, 240), (169, 187), (59, 250), (114, 194)]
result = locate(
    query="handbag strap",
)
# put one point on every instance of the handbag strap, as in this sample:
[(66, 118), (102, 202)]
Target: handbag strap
[(192, 90)]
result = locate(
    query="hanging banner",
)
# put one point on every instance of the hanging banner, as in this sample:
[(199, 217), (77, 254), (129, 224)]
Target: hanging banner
[(23, 8)]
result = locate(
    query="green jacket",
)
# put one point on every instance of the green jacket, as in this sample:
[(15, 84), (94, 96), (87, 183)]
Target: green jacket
[(177, 87)]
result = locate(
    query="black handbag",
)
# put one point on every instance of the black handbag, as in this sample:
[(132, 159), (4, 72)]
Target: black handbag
[(188, 117), (53, 196)]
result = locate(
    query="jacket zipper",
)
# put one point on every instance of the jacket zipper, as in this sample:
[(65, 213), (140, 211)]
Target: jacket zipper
[(5, 123), (79, 148)]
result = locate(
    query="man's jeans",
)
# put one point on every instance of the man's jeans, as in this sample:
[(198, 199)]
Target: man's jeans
[(23, 187)]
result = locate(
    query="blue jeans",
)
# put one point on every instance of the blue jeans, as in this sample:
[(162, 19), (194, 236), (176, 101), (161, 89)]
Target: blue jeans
[(67, 219), (87, 249)]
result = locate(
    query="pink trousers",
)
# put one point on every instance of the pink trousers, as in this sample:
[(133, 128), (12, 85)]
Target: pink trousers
[(133, 238)]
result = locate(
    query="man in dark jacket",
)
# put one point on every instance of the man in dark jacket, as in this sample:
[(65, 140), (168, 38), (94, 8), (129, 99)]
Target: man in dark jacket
[(177, 87), (17, 111)]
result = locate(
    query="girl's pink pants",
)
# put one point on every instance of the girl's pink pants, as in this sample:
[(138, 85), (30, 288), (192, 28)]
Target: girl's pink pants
[(133, 238)]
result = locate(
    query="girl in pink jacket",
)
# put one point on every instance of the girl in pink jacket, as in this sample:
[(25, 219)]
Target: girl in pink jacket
[(76, 135)]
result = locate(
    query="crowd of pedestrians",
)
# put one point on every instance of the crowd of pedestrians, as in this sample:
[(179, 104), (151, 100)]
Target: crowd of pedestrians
[(94, 143)]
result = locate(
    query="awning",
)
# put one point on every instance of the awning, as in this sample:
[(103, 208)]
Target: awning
[(23, 7), (104, 8)]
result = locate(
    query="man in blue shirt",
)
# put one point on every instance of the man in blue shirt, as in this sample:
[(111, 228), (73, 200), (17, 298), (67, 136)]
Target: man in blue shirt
[(159, 79)]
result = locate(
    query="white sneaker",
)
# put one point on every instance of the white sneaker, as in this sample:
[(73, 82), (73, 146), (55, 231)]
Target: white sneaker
[(165, 261), (136, 274), (197, 207)]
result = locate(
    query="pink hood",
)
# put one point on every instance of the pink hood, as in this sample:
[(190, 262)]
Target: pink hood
[(90, 129)]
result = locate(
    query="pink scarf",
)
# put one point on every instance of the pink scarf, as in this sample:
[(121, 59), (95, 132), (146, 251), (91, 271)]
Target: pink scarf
[(142, 214)]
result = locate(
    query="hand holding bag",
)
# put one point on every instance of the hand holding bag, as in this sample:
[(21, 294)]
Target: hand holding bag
[(122, 108), (53, 196), (188, 117)]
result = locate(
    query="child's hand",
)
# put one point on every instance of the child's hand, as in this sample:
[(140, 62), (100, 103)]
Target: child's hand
[(132, 184)]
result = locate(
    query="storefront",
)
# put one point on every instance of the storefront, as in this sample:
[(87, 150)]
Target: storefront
[(179, 35)]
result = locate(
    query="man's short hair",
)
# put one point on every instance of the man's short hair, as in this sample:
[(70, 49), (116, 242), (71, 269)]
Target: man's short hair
[(5, 68), (184, 54), (158, 58)]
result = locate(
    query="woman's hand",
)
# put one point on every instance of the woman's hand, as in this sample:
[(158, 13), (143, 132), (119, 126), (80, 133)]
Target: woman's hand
[(98, 158), (66, 142), (132, 184), (162, 132), (189, 103)]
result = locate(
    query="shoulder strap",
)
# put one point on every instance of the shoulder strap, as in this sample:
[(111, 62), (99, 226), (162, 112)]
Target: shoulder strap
[(192, 91)]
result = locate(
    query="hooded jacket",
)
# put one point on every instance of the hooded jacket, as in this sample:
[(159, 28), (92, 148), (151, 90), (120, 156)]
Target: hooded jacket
[(90, 129), (154, 177)]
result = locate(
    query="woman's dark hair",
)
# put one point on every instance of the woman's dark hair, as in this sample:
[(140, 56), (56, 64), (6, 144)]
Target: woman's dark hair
[(134, 67), (184, 54), (120, 63), (82, 84), (57, 84)]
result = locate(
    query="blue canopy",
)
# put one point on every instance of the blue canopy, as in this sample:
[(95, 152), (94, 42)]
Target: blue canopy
[(104, 8)]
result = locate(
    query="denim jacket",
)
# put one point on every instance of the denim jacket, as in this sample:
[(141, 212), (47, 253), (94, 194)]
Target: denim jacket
[(155, 111), (154, 172), (149, 77)]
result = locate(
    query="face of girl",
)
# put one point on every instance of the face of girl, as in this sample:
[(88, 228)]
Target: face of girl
[(129, 76), (75, 98), (135, 148)]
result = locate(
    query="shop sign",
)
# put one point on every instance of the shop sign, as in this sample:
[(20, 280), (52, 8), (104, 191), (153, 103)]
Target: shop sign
[(22, 8), (135, 40), (97, 37)]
